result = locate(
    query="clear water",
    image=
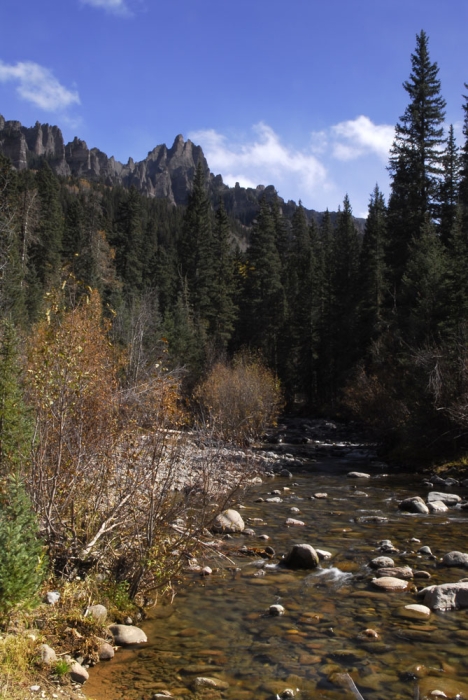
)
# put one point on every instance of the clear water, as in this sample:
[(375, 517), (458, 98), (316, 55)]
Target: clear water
[(220, 627)]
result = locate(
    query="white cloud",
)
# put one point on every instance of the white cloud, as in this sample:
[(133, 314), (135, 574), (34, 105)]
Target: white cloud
[(261, 160), (38, 85), (117, 7), (319, 174), (360, 136)]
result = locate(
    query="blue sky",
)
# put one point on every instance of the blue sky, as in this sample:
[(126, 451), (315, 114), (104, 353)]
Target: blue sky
[(302, 94)]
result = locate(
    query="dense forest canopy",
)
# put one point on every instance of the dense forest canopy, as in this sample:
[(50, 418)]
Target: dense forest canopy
[(371, 323)]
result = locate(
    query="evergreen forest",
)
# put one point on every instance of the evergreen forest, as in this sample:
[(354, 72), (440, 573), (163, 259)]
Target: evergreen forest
[(368, 325)]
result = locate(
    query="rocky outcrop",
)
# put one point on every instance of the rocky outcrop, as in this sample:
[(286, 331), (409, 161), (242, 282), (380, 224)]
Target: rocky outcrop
[(164, 173)]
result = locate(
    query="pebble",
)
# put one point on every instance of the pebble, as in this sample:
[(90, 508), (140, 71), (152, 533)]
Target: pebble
[(358, 475), (276, 610)]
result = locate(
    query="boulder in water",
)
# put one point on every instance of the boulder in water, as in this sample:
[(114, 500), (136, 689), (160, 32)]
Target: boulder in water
[(301, 556), (228, 521)]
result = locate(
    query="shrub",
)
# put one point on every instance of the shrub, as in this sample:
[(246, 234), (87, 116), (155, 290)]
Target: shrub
[(240, 400), (22, 564)]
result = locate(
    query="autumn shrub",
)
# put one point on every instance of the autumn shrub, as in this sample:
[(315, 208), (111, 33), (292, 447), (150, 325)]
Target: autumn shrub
[(109, 457), (240, 400)]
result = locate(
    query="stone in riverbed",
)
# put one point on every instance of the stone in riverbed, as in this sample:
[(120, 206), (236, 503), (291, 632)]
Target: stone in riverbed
[(382, 562), (202, 682), (127, 634), (291, 522), (228, 521), (450, 687), (358, 475), (448, 596), (437, 507), (396, 571), (106, 652), (276, 610), (450, 499), (390, 583), (274, 499), (78, 673), (455, 559), (415, 504), (415, 612), (301, 556)]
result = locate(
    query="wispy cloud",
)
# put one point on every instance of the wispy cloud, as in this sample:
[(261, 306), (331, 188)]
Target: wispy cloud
[(263, 159), (38, 85), (358, 137), (116, 7)]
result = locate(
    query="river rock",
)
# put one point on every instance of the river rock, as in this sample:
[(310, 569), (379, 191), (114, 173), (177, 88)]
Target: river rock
[(228, 521), (323, 554), (276, 610), (448, 596), (390, 583), (450, 499), (127, 634), (396, 571), (286, 473), (291, 522), (99, 613), (294, 510), (358, 475), (202, 682), (437, 507), (301, 556), (425, 550), (415, 504), (382, 562), (106, 652), (416, 612), (273, 499), (78, 673), (455, 559), (48, 655)]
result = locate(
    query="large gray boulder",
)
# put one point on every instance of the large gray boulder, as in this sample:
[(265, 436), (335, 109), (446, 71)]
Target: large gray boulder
[(455, 559), (127, 634), (415, 504), (229, 521), (450, 499), (448, 596), (301, 556)]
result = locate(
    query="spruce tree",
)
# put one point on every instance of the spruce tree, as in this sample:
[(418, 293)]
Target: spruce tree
[(223, 312), (416, 159), (449, 191), (373, 272)]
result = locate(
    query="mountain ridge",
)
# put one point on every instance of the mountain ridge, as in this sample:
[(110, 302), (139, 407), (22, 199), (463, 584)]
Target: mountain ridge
[(164, 173)]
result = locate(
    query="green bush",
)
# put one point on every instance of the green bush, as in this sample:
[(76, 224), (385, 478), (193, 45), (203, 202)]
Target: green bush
[(22, 559)]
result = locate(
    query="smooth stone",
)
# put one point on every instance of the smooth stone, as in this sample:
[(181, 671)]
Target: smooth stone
[(276, 610), (415, 611), (323, 554), (127, 634), (291, 522), (294, 510), (48, 655), (437, 507), (274, 499), (320, 495), (390, 583), (450, 499), (414, 504), (382, 562), (99, 613), (395, 572), (424, 550), (451, 687), (301, 556), (206, 571), (455, 559), (448, 596), (78, 673), (286, 473), (205, 682), (421, 574), (229, 521), (358, 475), (106, 652)]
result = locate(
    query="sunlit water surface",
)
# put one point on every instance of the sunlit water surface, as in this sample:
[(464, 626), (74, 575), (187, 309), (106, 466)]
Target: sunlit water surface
[(220, 627)]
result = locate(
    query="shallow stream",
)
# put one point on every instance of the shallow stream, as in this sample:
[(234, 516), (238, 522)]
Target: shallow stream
[(220, 627)]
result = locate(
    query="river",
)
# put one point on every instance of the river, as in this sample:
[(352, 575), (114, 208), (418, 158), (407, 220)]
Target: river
[(335, 622)]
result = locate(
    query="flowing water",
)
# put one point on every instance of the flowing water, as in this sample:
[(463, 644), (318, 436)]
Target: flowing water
[(220, 626)]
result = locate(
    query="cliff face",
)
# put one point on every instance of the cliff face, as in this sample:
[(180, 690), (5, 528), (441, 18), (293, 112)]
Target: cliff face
[(165, 172)]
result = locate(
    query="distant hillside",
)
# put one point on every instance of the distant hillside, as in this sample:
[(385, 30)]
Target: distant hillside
[(164, 173)]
